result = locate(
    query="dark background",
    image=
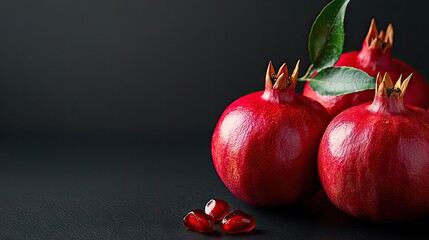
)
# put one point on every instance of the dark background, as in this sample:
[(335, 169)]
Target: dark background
[(164, 66), (107, 108)]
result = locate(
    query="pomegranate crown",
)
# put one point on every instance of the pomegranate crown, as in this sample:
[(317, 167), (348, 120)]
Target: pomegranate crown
[(384, 86), (379, 40), (281, 80)]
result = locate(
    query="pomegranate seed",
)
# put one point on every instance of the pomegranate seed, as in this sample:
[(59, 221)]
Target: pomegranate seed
[(198, 221), (217, 208), (237, 222)]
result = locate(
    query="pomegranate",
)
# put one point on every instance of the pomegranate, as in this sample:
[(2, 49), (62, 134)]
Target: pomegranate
[(374, 57), (237, 222), (374, 158), (217, 208), (264, 146), (198, 221)]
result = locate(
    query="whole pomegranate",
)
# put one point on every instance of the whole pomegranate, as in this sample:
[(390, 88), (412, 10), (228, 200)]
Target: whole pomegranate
[(374, 158), (373, 58), (264, 146)]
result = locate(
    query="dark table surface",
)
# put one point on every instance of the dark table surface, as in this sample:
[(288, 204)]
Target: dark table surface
[(137, 187)]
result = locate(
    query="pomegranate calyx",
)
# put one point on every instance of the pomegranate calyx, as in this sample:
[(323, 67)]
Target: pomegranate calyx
[(389, 98), (282, 79), (271, 77), (384, 86), (379, 40), (404, 85), (280, 87), (280, 83), (293, 79)]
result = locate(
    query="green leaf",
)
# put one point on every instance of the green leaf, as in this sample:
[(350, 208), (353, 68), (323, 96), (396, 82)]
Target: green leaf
[(326, 38), (336, 81)]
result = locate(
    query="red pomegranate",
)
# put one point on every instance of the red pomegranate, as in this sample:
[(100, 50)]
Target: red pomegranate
[(373, 58), (264, 146), (374, 158)]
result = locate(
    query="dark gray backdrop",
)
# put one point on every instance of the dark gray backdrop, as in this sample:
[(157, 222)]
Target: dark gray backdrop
[(107, 107), (163, 66)]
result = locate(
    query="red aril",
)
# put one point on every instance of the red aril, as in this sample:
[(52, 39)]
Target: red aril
[(374, 158), (237, 222), (264, 146), (374, 57), (217, 208), (198, 221)]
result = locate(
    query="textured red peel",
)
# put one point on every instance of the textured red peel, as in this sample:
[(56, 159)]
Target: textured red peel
[(374, 158), (264, 146)]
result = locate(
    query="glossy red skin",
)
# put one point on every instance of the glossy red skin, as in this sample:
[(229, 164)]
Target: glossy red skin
[(374, 165), (265, 151), (237, 222), (198, 221), (373, 62), (336, 104), (217, 208)]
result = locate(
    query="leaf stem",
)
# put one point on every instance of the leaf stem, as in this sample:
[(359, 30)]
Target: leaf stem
[(308, 71), (306, 77)]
